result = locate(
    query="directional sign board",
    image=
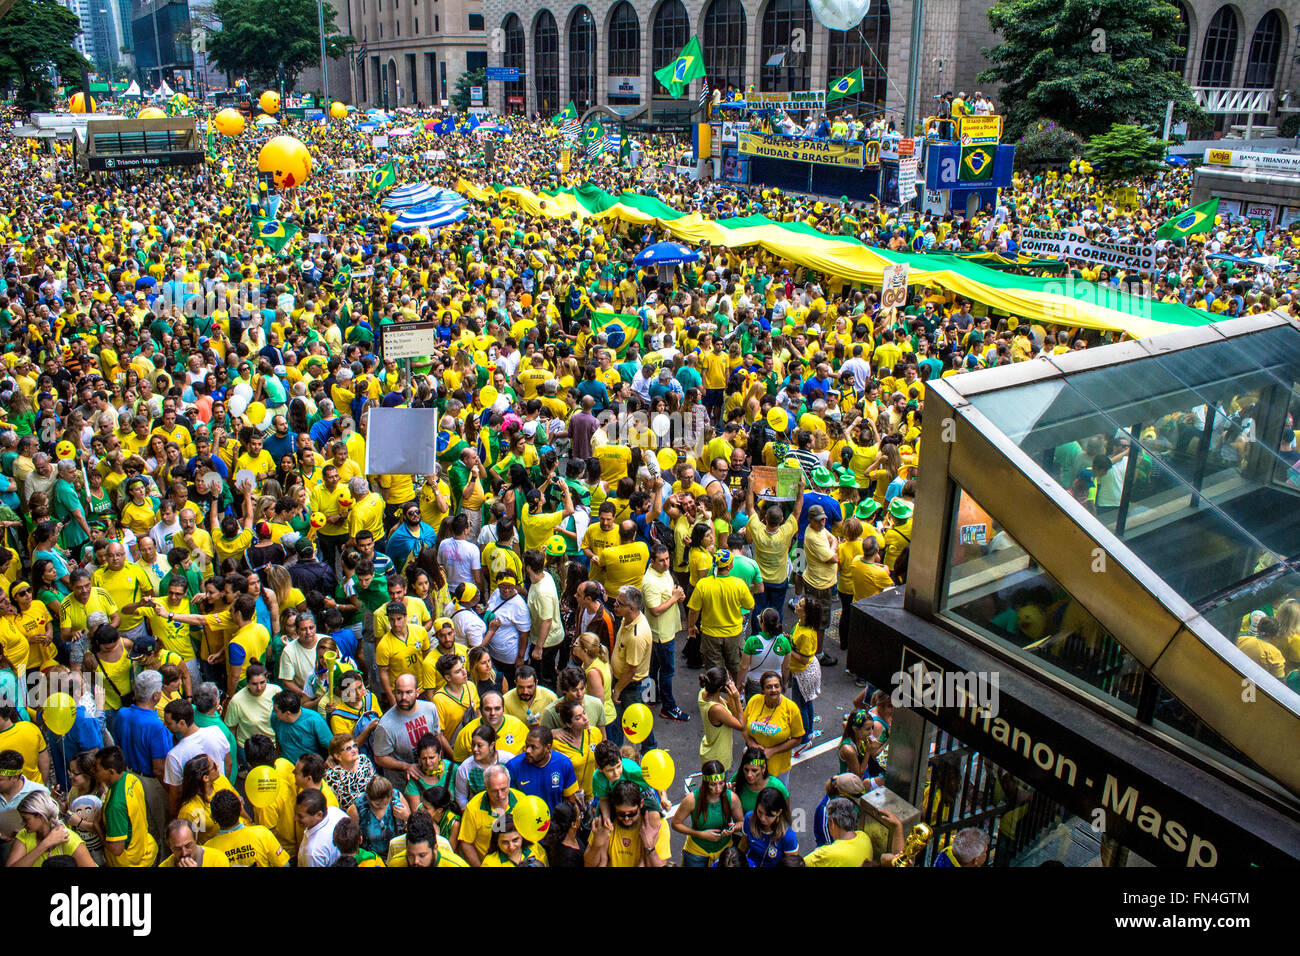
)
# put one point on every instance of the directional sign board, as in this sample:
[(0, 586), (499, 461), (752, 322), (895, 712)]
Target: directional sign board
[(409, 340)]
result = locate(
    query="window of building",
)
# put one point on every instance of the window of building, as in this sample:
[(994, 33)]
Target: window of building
[(546, 57), (787, 36), (1220, 53), (1265, 50), (671, 30), (1182, 39), (624, 41), (723, 43), (476, 21), (582, 59), (866, 47), (513, 56), (442, 78)]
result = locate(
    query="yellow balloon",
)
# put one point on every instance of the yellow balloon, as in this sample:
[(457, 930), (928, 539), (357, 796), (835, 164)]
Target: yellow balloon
[(60, 712), (152, 112), (487, 396), (287, 160), (255, 413), (338, 111), (777, 418), (637, 723), (77, 104), (269, 101), (229, 122), (658, 769), (262, 786), (667, 458), (532, 818)]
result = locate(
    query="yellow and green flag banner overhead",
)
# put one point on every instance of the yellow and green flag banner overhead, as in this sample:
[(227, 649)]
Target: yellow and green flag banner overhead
[(1075, 303)]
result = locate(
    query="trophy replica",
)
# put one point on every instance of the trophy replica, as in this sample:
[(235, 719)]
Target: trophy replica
[(916, 841)]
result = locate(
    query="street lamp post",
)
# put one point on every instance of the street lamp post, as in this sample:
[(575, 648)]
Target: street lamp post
[(324, 74)]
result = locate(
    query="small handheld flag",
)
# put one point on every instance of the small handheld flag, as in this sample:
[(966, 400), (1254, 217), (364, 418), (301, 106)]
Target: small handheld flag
[(845, 85), (382, 178)]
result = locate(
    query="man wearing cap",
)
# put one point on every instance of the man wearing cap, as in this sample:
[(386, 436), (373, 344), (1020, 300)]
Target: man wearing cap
[(308, 573), (717, 615)]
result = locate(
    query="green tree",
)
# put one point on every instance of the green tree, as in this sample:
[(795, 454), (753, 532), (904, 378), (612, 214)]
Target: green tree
[(1125, 152), (271, 41), (36, 43), (1089, 63), (460, 97)]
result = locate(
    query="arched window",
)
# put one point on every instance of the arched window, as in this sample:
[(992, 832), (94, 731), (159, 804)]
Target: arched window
[(1220, 52), (723, 42), (671, 30), (1182, 40), (582, 59), (513, 56), (866, 47), (787, 35), (546, 63), (1265, 51), (624, 41)]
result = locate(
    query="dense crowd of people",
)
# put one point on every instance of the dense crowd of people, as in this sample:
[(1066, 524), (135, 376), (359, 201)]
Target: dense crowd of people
[(276, 658)]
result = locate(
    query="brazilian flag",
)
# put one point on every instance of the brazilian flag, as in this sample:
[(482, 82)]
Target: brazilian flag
[(1190, 221), (570, 112), (382, 178), (343, 281), (274, 233), (686, 66), (852, 83), (976, 164), (620, 331)]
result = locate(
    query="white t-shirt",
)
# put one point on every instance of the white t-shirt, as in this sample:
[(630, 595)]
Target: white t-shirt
[(297, 663), (460, 559), (206, 740), (469, 627), (318, 847), (514, 617)]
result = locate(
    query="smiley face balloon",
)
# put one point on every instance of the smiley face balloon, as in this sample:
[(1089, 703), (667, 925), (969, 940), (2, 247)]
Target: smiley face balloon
[(229, 122), (269, 101), (287, 160), (638, 722), (532, 818), (338, 110)]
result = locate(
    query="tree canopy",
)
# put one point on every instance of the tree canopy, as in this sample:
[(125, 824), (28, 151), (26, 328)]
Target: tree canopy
[(1087, 63), (461, 95), (36, 42), (1126, 152), (269, 41)]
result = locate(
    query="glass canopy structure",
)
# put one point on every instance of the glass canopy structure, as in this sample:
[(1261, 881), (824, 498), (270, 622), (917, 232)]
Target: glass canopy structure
[(1119, 528)]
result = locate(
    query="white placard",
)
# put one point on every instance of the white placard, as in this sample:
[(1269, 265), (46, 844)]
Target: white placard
[(1046, 242), (379, 142), (906, 179), (1261, 210), (625, 86), (409, 340), (894, 286), (402, 441)]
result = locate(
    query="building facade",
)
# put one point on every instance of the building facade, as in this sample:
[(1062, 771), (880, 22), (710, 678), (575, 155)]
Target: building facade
[(339, 68), (410, 52), (605, 52)]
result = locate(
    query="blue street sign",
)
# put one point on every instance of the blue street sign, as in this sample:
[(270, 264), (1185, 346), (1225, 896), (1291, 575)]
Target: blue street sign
[(507, 74)]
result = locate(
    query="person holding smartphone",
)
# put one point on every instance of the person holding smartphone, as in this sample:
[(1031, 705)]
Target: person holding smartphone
[(709, 816)]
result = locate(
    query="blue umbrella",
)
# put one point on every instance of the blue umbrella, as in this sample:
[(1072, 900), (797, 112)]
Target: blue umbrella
[(1176, 160), (433, 216), (665, 254)]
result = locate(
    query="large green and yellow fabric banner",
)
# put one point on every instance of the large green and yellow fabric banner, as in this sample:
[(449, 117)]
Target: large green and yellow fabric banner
[(1062, 301)]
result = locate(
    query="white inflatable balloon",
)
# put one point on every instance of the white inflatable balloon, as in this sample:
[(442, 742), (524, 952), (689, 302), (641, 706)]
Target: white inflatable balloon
[(238, 405), (839, 14), (243, 390)]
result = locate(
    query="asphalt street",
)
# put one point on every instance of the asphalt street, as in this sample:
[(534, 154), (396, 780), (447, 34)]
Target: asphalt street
[(808, 772)]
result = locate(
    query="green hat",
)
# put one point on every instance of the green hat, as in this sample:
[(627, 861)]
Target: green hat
[(867, 509), (900, 509), (847, 480), (822, 477)]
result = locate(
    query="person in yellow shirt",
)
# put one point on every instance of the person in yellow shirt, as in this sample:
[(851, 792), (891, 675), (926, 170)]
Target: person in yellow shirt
[(186, 850), (850, 846), (614, 462), (127, 841), (402, 649), (632, 839), (497, 800), (774, 724), (127, 585), (599, 536), (868, 572), (537, 526), (368, 511)]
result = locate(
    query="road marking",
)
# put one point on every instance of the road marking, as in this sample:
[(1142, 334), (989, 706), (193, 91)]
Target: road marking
[(815, 752)]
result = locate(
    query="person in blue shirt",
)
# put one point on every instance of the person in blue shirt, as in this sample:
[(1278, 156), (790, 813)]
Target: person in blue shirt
[(297, 730), (411, 536), (539, 772), (596, 389), (768, 832), (140, 732)]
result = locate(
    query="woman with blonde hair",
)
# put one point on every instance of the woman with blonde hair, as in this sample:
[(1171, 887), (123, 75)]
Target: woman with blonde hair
[(43, 835), (591, 655), (1288, 634)]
